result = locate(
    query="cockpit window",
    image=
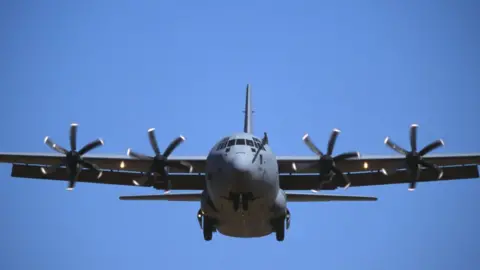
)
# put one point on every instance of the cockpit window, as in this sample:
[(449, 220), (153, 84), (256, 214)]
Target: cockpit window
[(240, 142), (231, 142), (222, 143), (249, 142)]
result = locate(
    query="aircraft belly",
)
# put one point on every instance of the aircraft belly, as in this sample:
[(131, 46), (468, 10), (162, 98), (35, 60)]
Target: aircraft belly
[(252, 223)]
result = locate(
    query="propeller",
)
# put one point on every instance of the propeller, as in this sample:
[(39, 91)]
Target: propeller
[(159, 162), (414, 159), (327, 163), (73, 160)]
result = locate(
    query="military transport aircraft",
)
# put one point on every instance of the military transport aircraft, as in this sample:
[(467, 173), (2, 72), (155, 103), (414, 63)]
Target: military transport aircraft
[(241, 184)]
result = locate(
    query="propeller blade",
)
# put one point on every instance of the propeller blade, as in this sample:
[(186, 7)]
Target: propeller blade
[(311, 145), (434, 145), (92, 166), (395, 146), (434, 167), (346, 156), (73, 178), (413, 137), (153, 141), (73, 136), (412, 186), (50, 169), (332, 140), (90, 146), (141, 181), (344, 176), (55, 146), (187, 165), (174, 144), (137, 155)]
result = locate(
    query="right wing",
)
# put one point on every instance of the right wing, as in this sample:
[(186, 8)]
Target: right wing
[(186, 197), (117, 170), (107, 162)]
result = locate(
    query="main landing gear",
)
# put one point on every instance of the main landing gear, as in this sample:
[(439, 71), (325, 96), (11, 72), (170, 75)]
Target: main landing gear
[(281, 224), (207, 224)]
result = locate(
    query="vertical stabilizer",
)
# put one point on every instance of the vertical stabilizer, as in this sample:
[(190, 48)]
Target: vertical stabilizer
[(247, 124)]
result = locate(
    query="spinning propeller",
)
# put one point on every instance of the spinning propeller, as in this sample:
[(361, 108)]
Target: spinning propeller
[(160, 162), (73, 160), (414, 159), (327, 163)]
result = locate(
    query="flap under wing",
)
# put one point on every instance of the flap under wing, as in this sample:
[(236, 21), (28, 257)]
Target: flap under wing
[(106, 162), (189, 197), (178, 181), (306, 164), (327, 198), (309, 181)]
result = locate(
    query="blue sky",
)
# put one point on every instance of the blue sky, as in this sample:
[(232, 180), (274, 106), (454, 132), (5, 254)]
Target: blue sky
[(369, 68)]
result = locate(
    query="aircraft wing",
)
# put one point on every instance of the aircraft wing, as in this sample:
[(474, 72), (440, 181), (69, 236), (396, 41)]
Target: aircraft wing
[(107, 162), (300, 173), (116, 169)]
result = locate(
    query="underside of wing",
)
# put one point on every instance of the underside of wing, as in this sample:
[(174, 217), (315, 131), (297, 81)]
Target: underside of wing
[(309, 164), (373, 178), (178, 181), (106, 162), (189, 197), (326, 198)]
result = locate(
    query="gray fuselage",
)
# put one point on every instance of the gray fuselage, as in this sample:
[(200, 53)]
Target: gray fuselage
[(229, 172)]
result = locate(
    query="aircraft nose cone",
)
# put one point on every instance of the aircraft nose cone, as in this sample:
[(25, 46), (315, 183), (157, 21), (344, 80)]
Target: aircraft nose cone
[(241, 166)]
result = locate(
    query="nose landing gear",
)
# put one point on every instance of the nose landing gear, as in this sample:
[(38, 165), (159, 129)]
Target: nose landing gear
[(238, 199)]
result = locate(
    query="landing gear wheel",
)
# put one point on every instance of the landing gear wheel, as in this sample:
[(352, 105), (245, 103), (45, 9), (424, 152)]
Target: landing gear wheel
[(280, 229), (207, 228)]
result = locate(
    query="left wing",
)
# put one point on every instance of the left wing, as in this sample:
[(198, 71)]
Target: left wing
[(301, 173)]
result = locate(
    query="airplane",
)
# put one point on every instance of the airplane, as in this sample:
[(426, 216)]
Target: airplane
[(242, 187)]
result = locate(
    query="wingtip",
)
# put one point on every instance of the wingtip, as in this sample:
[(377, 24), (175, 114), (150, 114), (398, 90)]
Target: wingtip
[(128, 151), (305, 137), (414, 125), (183, 138), (74, 124), (101, 141), (45, 140), (442, 142), (386, 140), (336, 130), (151, 129)]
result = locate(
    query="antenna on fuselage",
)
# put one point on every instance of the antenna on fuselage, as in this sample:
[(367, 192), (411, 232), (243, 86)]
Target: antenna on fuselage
[(247, 124)]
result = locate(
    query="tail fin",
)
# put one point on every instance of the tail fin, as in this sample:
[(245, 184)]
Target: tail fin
[(247, 125)]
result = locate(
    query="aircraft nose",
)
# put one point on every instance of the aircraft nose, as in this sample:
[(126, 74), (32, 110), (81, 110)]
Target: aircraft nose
[(241, 166)]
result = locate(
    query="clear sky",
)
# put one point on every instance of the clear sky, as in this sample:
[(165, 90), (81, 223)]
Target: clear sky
[(369, 68)]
